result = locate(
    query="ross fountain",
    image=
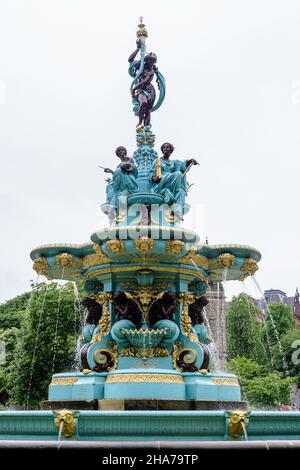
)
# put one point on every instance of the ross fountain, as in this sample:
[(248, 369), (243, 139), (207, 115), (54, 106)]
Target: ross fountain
[(145, 355)]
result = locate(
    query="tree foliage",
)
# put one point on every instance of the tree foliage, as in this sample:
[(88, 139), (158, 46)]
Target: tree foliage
[(43, 343), (11, 312), (279, 320), (260, 387), (244, 332), (290, 348)]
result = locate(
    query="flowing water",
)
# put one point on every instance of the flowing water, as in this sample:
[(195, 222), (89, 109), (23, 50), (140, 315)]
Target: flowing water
[(244, 430), (267, 310), (57, 320), (35, 346), (78, 325)]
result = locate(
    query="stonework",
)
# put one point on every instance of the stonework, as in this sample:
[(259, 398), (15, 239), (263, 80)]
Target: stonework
[(216, 315)]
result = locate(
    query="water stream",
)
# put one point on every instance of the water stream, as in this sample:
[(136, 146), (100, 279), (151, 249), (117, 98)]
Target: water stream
[(35, 346), (267, 310), (57, 320)]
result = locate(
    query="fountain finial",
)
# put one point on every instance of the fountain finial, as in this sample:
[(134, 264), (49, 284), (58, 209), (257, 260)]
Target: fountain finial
[(141, 33)]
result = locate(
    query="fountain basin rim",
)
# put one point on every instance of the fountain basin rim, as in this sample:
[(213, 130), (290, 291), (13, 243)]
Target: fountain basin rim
[(145, 332)]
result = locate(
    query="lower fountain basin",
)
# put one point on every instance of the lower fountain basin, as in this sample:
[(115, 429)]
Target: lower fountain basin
[(145, 338)]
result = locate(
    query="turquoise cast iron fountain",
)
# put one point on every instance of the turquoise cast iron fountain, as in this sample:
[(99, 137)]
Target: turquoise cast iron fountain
[(147, 369)]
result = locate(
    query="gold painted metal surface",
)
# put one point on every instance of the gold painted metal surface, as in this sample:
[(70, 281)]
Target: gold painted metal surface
[(65, 421), (238, 422), (146, 378)]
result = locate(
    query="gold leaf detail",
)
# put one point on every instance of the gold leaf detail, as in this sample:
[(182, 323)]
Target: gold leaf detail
[(146, 378), (64, 260), (40, 264)]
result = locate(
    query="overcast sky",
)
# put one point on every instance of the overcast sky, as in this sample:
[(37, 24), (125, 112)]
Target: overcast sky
[(232, 70)]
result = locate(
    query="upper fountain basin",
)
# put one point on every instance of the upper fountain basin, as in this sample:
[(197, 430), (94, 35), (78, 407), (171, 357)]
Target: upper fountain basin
[(208, 262)]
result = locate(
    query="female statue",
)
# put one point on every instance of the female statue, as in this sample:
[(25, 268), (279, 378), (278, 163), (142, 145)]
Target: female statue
[(124, 176), (123, 180), (169, 177)]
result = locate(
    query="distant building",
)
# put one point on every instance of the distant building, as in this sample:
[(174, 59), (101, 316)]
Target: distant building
[(277, 295)]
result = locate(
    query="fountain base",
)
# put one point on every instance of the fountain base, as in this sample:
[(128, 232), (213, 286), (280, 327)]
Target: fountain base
[(145, 426), (146, 405), (145, 384)]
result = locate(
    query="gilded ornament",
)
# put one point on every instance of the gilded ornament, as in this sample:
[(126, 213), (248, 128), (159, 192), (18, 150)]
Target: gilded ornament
[(103, 356), (249, 266), (40, 264), (103, 298), (116, 246), (65, 421), (144, 352), (185, 320), (226, 260), (227, 381), (139, 267), (63, 381), (174, 247), (238, 422), (145, 295), (64, 260), (193, 259), (102, 258), (144, 244), (175, 354), (189, 356), (128, 351), (146, 378), (141, 33), (193, 337)]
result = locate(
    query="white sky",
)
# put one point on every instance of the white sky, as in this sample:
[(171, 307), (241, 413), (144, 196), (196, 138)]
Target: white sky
[(232, 70)]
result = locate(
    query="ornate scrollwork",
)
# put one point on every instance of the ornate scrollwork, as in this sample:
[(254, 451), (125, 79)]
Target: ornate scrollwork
[(184, 359), (103, 299), (106, 359), (185, 320), (144, 352), (103, 259)]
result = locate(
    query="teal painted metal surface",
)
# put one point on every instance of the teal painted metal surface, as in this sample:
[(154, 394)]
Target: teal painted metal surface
[(149, 425), (117, 385)]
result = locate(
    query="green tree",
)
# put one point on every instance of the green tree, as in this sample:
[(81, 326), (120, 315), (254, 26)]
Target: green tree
[(8, 337), (260, 387), (46, 343), (246, 369), (290, 344), (268, 391), (244, 331), (279, 320), (11, 311)]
